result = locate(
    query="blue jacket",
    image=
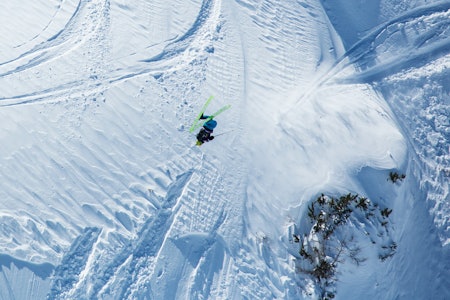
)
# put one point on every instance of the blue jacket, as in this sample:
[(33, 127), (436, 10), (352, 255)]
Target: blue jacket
[(210, 125)]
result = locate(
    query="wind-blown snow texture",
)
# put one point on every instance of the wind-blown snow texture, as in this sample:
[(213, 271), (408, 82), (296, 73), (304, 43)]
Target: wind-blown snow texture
[(104, 195)]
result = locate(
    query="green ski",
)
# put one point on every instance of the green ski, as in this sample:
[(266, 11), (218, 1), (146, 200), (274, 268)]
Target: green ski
[(195, 125)]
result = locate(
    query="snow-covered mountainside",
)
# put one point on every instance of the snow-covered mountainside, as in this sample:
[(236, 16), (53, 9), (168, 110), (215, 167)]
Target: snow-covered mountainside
[(104, 195)]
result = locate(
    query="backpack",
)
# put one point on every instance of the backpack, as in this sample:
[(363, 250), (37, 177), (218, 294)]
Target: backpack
[(204, 135)]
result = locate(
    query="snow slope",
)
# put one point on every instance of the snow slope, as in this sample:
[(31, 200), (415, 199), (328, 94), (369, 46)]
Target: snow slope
[(104, 195), (405, 57)]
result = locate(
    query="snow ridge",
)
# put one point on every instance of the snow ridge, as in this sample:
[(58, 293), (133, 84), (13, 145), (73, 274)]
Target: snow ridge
[(67, 274)]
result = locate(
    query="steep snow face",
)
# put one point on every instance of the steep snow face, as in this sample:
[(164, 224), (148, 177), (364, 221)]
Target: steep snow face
[(105, 196), (405, 57)]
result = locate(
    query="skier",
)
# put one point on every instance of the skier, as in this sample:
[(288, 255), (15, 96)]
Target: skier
[(205, 132)]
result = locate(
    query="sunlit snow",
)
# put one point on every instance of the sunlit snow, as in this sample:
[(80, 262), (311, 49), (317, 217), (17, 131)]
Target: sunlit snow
[(104, 194)]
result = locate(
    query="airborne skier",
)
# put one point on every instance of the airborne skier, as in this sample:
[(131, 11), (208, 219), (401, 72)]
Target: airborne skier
[(208, 125), (205, 132)]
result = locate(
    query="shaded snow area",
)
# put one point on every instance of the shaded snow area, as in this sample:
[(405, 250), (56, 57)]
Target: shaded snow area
[(328, 177)]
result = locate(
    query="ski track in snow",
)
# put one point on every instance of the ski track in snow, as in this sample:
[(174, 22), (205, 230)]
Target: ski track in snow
[(180, 44), (410, 40), (80, 26), (86, 27), (89, 22)]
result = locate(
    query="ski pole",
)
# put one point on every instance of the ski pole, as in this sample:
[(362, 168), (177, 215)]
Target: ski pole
[(224, 132)]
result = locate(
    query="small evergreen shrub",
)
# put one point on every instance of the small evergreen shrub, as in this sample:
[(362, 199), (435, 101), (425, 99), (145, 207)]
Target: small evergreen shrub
[(386, 212), (329, 243), (394, 177)]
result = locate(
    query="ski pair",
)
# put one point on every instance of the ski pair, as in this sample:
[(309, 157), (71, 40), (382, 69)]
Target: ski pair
[(198, 124)]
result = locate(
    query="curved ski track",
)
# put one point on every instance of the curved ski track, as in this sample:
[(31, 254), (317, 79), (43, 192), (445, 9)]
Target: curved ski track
[(416, 38), (87, 27), (417, 28), (79, 28), (89, 24), (63, 36)]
